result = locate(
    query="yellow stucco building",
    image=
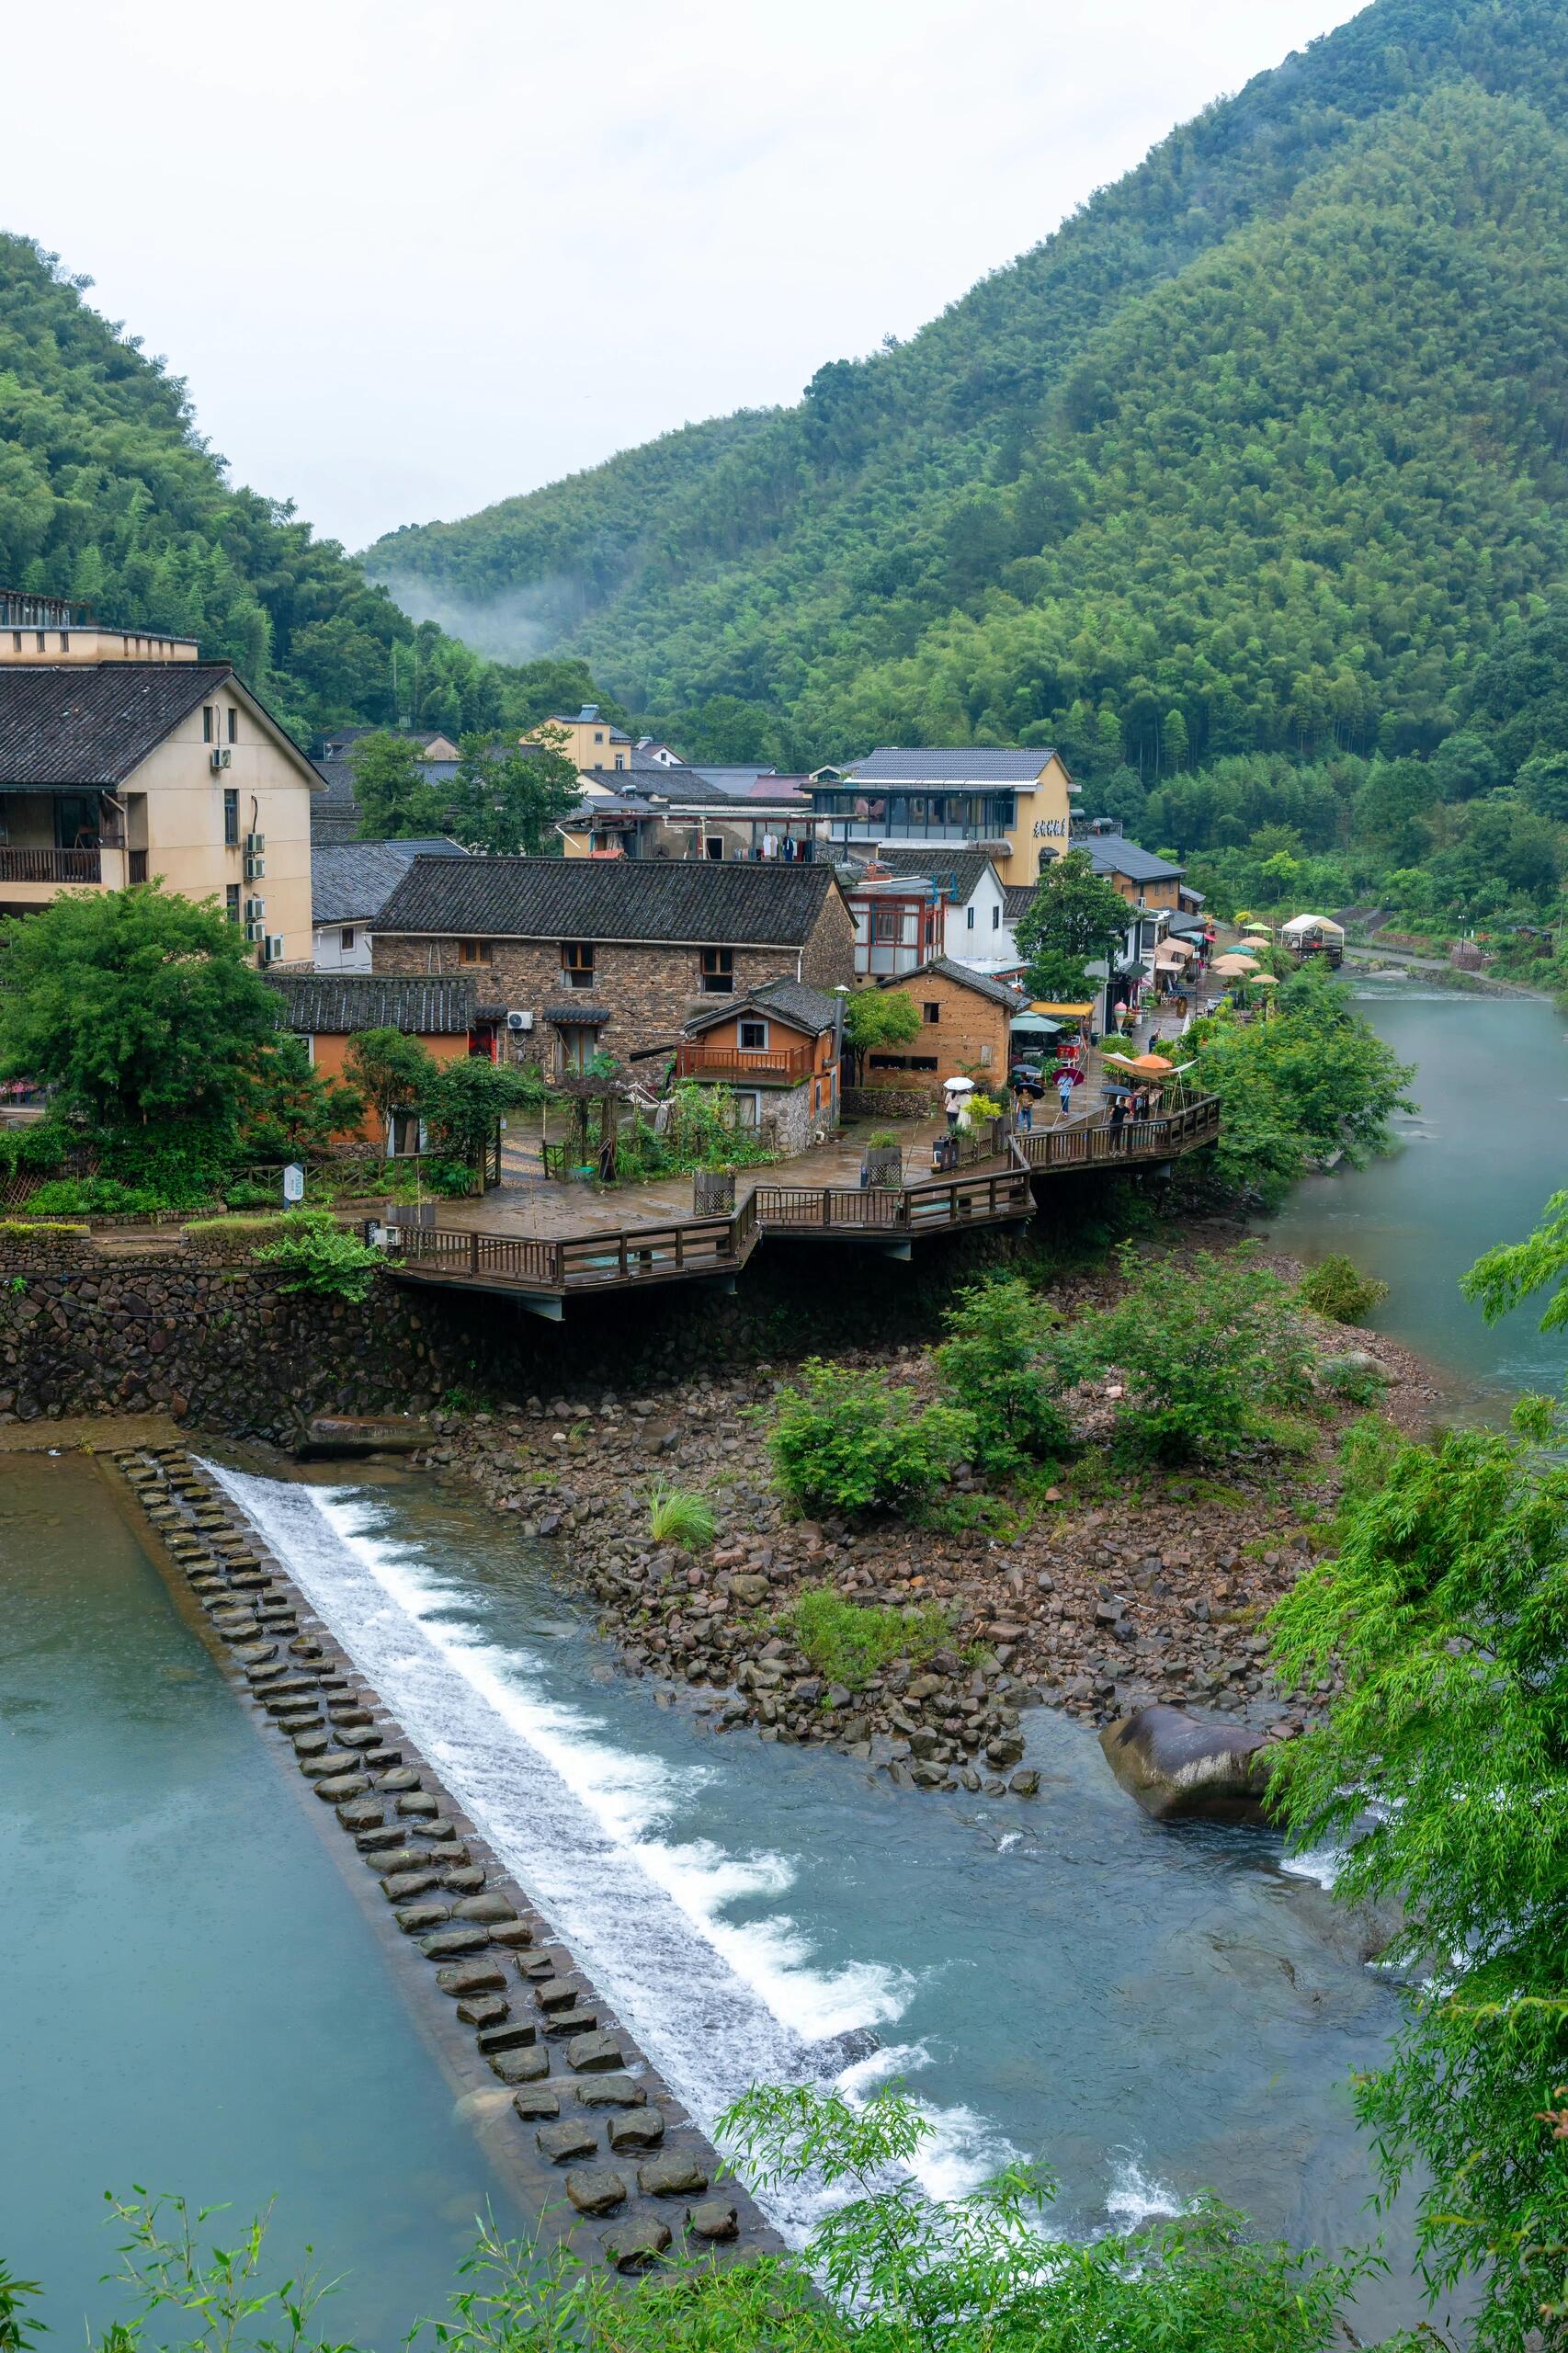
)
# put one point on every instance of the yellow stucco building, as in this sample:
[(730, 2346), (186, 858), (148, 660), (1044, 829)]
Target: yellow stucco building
[(1016, 802)]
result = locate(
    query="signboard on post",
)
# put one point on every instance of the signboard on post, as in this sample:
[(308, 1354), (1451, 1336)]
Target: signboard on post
[(293, 1182)]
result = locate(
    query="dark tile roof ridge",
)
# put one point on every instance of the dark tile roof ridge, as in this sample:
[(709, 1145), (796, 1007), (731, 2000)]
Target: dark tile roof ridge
[(684, 902), (947, 969), (338, 1003)]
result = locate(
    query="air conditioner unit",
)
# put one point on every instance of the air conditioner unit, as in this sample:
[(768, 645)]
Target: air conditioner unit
[(256, 869), (272, 947), (519, 1021), (256, 910), (255, 933), (221, 756), (255, 844)]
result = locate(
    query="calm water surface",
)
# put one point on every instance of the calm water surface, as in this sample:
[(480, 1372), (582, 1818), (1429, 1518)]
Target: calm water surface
[(192, 1998), (1475, 1165)]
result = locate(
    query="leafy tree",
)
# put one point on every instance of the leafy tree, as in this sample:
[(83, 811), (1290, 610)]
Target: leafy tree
[(464, 1102), (1542, 785), (1204, 1345), (137, 1007), (1506, 1276), (290, 1110), (1074, 916), (857, 1442), (393, 1071), (1004, 1362), (879, 1021), (507, 797), (319, 1256), (1441, 1775), (392, 788)]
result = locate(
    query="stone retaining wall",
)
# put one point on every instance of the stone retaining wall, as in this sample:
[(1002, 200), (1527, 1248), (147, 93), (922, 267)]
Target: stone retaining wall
[(589, 2116)]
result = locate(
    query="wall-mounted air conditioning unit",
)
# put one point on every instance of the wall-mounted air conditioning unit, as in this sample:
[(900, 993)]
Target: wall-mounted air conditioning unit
[(519, 1021), (255, 933), (255, 844), (272, 947), (256, 869), (255, 909), (221, 756)]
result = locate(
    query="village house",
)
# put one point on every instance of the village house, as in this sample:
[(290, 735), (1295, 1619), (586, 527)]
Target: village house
[(778, 1048), (909, 904), (965, 1030), (1016, 804), (350, 883), (327, 1010), (1144, 879), (661, 808), (586, 738), (334, 813), (648, 941), (124, 758)]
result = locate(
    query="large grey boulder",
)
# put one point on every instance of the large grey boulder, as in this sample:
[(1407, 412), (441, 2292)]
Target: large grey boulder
[(1185, 1769)]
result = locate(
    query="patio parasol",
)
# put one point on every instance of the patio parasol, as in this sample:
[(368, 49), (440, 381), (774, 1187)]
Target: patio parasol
[(1234, 965)]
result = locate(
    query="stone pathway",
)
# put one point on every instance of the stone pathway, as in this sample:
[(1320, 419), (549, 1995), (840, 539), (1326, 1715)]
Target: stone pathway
[(589, 2116)]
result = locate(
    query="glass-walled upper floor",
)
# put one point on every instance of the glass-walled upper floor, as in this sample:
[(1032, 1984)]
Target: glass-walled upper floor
[(915, 816)]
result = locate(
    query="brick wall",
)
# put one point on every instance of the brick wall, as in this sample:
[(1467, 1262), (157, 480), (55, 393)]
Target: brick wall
[(969, 1034)]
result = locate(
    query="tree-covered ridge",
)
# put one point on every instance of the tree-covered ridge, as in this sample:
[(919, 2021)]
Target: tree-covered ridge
[(877, 523), (108, 493)]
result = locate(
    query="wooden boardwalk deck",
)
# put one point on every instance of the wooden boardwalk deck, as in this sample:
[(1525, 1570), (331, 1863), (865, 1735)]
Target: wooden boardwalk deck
[(542, 1273)]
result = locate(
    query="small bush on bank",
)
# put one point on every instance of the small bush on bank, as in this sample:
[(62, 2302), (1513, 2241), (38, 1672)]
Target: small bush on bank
[(237, 1237), (94, 1197), (1338, 1290), (846, 1641), (677, 1517), (1006, 1361), (1208, 1348), (321, 1256), (857, 1442), (24, 1229)]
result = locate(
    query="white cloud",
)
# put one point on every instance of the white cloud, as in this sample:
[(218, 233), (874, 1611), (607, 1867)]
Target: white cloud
[(416, 257)]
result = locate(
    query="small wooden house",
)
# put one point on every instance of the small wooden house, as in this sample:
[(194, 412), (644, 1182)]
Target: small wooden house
[(778, 1048)]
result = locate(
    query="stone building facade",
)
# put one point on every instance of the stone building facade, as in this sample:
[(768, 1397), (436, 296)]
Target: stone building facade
[(966, 1020)]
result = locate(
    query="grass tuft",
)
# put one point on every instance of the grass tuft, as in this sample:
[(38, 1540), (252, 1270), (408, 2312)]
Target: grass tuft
[(677, 1517), (849, 1640)]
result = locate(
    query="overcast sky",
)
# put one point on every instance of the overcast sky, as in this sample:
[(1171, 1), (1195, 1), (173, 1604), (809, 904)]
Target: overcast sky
[(412, 256)]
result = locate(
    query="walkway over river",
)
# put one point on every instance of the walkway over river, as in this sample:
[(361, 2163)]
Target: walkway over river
[(543, 1271)]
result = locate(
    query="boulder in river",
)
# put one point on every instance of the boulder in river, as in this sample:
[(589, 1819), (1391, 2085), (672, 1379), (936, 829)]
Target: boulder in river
[(1182, 1768), (340, 1436)]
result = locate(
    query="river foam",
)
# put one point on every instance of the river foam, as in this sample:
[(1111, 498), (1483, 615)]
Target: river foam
[(718, 2004)]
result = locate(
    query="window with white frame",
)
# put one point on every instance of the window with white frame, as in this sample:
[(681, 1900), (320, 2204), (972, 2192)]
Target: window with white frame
[(753, 1037)]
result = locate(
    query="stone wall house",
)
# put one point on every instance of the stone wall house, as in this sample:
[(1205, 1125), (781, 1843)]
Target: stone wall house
[(653, 943), (777, 1048), (966, 1022)]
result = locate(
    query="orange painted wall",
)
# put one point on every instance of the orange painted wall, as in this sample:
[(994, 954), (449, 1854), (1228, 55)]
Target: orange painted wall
[(329, 1052)]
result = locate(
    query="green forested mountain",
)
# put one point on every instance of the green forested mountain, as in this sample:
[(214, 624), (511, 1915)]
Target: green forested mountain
[(1249, 461), (107, 493)]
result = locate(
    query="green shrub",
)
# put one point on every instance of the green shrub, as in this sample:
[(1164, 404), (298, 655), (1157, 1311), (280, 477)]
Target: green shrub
[(1006, 1361), (321, 1257), (849, 1641), (677, 1517), (853, 1441), (1337, 1288), (95, 1197), (21, 1228), (236, 1237), (1206, 1347), (1360, 1384)]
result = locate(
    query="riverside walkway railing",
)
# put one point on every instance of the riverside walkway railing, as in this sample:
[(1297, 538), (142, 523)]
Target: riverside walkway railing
[(686, 1249)]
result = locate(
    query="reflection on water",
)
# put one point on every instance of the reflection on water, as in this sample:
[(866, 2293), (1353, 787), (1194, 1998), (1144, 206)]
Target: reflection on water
[(1149, 2011), (1475, 1165), (192, 1998)]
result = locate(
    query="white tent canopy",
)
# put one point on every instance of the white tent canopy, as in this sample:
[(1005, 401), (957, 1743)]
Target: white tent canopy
[(1298, 926)]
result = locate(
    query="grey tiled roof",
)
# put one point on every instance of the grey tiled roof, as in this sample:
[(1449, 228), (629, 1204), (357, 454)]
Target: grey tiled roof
[(351, 881), (92, 724), (1016, 899), (338, 1003), (694, 902), (813, 1010), (950, 864), (960, 764), (1114, 854), (981, 983)]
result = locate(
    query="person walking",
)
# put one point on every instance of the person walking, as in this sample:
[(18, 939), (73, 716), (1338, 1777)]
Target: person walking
[(1023, 1103), (1117, 1120), (1064, 1091)]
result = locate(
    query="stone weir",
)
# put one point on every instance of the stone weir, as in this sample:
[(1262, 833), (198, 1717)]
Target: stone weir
[(598, 2144)]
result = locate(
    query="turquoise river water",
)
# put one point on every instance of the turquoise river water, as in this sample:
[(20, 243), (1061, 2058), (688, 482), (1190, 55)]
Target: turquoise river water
[(194, 1999)]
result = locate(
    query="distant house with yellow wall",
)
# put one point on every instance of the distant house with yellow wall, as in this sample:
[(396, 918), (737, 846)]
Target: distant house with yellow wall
[(124, 758), (586, 738), (1014, 802)]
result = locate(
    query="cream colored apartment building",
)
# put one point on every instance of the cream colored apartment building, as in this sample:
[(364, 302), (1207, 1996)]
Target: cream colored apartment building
[(124, 758)]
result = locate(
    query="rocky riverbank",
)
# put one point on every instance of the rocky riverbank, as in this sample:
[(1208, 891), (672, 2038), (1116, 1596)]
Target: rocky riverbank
[(1113, 1591)]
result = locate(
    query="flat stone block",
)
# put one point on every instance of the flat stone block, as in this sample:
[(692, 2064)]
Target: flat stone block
[(341, 1786), (614, 2090), (596, 2054), (418, 1802), (360, 1813), (635, 2129), (485, 2011), (565, 2144), (489, 1908), (578, 2021), (519, 2066), (535, 2103), (632, 2246), (471, 1977), (558, 1993), (448, 1943), (505, 1932), (331, 1760), (402, 1887), (673, 2173), (466, 1880), (384, 1851), (595, 2190), (714, 2219), (517, 2034), (414, 1918)]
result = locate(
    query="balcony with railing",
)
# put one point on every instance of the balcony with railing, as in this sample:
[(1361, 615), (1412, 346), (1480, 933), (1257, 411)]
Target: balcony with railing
[(53, 865), (772, 1066)]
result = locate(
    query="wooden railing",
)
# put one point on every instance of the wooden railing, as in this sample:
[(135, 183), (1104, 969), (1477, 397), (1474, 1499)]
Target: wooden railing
[(788, 1063), (51, 866), (1092, 1143)]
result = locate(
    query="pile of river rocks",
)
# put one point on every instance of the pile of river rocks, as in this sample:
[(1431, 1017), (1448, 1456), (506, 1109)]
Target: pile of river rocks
[(1096, 1611)]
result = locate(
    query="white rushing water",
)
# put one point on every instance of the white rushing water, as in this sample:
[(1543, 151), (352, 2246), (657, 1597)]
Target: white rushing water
[(718, 2004)]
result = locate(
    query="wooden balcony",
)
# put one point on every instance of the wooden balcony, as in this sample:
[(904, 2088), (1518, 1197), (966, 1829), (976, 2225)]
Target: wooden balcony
[(51, 866), (779, 1066)]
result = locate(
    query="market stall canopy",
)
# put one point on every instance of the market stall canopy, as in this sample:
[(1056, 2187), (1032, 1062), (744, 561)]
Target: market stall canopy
[(1298, 926), (1173, 952), (1035, 1025), (1064, 1012), (1234, 965), (1265, 929), (1262, 980)]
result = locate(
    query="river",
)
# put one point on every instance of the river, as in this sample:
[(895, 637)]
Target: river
[(1147, 2011)]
